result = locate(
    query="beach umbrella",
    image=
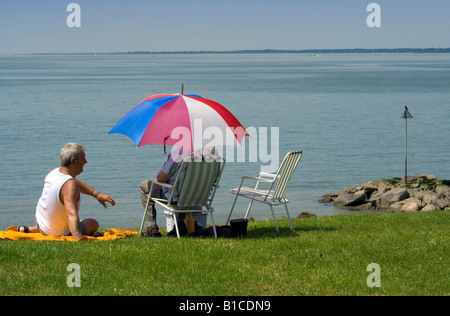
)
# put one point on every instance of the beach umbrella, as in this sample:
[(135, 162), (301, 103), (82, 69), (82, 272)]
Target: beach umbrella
[(186, 121)]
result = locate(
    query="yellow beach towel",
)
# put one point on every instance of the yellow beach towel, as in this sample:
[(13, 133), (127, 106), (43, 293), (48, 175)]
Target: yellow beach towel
[(13, 234)]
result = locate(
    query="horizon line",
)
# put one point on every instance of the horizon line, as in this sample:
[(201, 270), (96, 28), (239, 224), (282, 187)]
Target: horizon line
[(254, 51)]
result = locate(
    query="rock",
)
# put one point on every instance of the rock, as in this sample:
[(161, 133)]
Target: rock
[(430, 198), (383, 187), (329, 197), (425, 192), (375, 198), (428, 176), (429, 207), (443, 203), (346, 191), (370, 187), (416, 193), (395, 207), (411, 205), (391, 181), (427, 181), (351, 199), (306, 214), (411, 179), (394, 195), (413, 199), (365, 206), (372, 184), (443, 191)]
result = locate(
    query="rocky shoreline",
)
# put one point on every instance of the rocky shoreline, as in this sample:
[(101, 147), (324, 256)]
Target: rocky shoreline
[(421, 193)]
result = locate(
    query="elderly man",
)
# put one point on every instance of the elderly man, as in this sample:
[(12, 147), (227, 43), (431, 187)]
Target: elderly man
[(58, 208), (167, 174)]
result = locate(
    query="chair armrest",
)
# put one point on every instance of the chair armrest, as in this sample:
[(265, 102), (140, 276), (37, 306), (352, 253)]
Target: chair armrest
[(256, 179), (166, 185), (267, 175)]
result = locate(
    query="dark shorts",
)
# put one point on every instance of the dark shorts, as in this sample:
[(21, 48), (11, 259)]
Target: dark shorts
[(83, 229)]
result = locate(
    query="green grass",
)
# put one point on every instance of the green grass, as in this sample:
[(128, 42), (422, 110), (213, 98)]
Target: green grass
[(323, 256)]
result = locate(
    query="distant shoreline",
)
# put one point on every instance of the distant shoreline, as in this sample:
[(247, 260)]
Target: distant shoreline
[(271, 51)]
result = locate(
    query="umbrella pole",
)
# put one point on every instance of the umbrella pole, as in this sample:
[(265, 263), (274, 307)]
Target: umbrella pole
[(182, 89)]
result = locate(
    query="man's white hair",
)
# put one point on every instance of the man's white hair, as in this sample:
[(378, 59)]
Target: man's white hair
[(69, 151)]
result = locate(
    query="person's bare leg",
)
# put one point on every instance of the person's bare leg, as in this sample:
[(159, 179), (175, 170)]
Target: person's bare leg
[(31, 229), (91, 225)]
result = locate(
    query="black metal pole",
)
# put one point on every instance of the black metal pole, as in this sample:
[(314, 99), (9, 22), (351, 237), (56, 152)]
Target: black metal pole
[(406, 115), (406, 149)]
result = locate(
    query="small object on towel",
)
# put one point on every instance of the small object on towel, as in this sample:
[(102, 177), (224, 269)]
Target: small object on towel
[(26, 229)]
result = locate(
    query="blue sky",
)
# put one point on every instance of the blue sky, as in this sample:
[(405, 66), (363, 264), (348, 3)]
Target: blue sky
[(31, 26)]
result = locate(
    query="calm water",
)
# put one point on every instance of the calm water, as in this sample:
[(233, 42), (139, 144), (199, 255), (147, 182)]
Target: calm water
[(343, 111)]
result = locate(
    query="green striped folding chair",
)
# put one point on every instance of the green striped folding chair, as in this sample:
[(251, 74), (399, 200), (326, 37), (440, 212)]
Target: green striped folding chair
[(198, 189), (274, 195)]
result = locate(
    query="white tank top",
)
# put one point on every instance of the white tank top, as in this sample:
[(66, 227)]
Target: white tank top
[(51, 214)]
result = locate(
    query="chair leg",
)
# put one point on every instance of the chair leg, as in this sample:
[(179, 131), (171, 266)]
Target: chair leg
[(174, 217), (143, 217), (213, 225), (142, 224), (248, 209), (251, 202), (274, 218), (232, 208), (289, 218)]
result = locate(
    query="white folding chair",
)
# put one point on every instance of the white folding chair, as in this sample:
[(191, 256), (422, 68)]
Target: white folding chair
[(274, 195), (198, 189)]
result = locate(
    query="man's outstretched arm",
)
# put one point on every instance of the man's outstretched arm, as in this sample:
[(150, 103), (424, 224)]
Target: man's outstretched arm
[(101, 197)]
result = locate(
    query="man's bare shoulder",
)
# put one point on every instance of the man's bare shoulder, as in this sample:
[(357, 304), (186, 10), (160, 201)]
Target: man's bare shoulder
[(70, 184), (69, 190)]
